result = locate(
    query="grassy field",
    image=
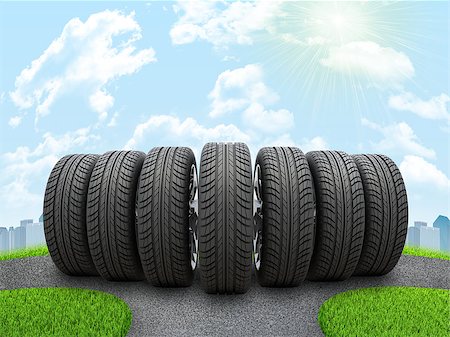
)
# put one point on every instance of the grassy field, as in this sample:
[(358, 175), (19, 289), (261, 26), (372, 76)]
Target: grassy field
[(27, 252), (435, 254), (386, 312), (62, 312)]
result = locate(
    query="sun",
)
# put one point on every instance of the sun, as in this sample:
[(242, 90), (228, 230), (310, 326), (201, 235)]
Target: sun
[(339, 22), (303, 39)]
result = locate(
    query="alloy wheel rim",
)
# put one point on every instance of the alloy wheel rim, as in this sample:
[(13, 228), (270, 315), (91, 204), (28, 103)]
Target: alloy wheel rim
[(193, 217), (257, 217)]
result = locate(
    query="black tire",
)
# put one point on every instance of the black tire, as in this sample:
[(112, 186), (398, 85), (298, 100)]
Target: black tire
[(225, 218), (288, 216), (111, 215), (340, 215), (65, 214), (163, 214), (386, 214)]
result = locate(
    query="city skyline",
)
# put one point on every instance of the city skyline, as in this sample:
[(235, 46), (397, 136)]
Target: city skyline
[(27, 234), (435, 237), (420, 234), (411, 222)]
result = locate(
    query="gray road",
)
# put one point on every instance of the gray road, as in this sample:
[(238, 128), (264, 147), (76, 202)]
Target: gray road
[(189, 311)]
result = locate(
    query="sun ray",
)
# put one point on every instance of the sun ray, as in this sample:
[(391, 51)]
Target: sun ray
[(304, 37)]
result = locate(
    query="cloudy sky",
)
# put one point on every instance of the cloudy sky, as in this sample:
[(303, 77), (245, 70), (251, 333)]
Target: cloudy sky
[(359, 77)]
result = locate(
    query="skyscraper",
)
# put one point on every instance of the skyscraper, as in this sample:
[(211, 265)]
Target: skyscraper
[(429, 238), (20, 237), (25, 222), (443, 223), (35, 234), (4, 239), (11, 238), (413, 236), (419, 224)]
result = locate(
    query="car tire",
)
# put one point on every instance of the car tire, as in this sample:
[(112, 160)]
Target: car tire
[(285, 239), (166, 238), (386, 214), (111, 215), (340, 215), (64, 214), (225, 218)]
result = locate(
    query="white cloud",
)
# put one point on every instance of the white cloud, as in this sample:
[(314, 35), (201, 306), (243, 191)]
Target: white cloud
[(382, 65), (309, 41), (165, 130), (25, 167), (50, 146), (189, 130), (222, 23), (399, 136), (316, 40), (306, 145), (113, 121), (283, 140), (230, 58), (314, 144), (85, 58), (15, 121), (101, 102), (268, 121), (243, 90), (416, 170), (435, 108), (235, 89)]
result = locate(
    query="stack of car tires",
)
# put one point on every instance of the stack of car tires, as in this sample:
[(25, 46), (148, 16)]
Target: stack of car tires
[(128, 216)]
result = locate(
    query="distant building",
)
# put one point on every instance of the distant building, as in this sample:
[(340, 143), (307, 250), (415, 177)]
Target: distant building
[(20, 237), (35, 234), (429, 238), (413, 236), (28, 234), (41, 218), (443, 223), (419, 224), (4, 239), (25, 222), (11, 238)]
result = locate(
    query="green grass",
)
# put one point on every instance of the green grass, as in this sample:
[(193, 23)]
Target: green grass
[(435, 254), (387, 312), (27, 252), (62, 312)]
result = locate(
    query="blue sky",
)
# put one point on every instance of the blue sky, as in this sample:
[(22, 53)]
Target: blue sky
[(91, 77)]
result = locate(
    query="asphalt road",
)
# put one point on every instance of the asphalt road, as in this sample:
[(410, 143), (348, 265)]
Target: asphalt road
[(189, 311)]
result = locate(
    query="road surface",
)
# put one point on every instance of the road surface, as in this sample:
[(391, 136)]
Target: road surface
[(190, 311)]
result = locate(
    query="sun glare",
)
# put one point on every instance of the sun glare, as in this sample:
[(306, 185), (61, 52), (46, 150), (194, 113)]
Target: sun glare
[(339, 23), (337, 20), (309, 32)]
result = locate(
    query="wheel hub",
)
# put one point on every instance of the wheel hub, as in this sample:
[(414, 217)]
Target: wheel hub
[(257, 217), (193, 216)]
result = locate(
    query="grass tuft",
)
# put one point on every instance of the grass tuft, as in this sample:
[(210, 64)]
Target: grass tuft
[(386, 312), (26, 252), (435, 254), (62, 312)]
